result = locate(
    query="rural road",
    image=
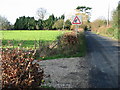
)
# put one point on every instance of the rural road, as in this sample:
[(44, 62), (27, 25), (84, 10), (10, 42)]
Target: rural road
[(103, 57), (98, 69)]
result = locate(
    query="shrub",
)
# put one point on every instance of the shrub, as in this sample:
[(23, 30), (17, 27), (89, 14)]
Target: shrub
[(68, 24), (80, 30), (110, 31), (58, 24), (69, 43), (117, 34), (84, 26), (95, 25), (72, 27), (69, 38), (102, 30), (19, 70)]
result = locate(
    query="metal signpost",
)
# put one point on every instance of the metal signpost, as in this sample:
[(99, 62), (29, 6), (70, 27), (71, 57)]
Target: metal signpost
[(76, 20)]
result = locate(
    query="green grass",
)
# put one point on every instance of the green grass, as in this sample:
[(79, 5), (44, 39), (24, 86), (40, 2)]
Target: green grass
[(28, 37)]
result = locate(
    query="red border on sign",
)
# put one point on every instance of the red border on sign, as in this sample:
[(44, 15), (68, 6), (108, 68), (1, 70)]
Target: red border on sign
[(75, 19)]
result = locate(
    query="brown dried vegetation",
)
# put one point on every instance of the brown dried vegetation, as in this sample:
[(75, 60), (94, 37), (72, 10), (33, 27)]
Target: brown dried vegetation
[(19, 70)]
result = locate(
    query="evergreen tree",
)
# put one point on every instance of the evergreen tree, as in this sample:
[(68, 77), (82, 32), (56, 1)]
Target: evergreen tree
[(49, 22), (68, 24), (25, 23), (58, 24)]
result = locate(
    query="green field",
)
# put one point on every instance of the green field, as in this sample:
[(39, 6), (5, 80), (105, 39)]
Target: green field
[(28, 37)]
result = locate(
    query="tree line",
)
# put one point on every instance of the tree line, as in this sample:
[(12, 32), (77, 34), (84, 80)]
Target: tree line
[(52, 23), (29, 23)]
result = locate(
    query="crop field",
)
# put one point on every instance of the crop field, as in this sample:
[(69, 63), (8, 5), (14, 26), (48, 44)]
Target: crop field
[(28, 37)]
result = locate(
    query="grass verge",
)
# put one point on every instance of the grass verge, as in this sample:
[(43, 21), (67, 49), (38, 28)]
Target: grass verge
[(77, 50)]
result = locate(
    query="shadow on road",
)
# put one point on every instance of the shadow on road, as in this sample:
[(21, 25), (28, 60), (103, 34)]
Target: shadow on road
[(99, 79), (102, 57)]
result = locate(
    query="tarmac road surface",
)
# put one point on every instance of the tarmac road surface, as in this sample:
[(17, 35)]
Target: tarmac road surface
[(103, 58)]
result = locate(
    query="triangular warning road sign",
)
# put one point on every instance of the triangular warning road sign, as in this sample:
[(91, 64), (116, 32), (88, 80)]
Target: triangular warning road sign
[(76, 20)]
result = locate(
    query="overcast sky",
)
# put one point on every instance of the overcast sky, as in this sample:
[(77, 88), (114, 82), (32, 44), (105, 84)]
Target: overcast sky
[(13, 9)]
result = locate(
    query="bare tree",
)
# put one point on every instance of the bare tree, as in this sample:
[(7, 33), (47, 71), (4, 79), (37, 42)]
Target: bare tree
[(4, 23), (41, 12)]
